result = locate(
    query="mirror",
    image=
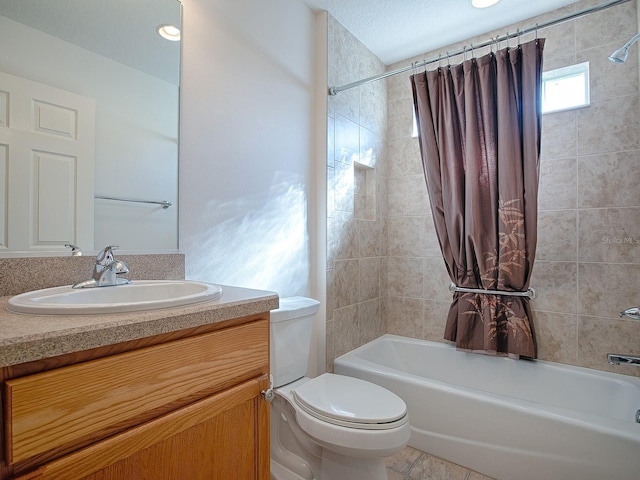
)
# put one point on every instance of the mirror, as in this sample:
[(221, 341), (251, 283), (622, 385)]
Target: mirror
[(86, 174)]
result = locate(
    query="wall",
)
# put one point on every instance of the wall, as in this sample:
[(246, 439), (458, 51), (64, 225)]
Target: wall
[(356, 206), (248, 199), (130, 161), (588, 260)]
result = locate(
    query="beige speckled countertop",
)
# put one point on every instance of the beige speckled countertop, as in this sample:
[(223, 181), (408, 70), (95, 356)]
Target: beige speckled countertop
[(24, 338)]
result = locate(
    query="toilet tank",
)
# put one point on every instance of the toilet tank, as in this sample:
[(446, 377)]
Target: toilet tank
[(290, 341)]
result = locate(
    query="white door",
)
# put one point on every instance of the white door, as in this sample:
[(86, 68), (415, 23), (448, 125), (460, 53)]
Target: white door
[(47, 151)]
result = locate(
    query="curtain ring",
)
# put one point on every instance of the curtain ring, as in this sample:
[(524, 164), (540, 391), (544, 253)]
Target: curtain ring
[(448, 60), (439, 55), (471, 44)]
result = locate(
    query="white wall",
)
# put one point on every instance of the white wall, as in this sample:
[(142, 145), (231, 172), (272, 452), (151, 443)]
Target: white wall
[(248, 209), (136, 134)]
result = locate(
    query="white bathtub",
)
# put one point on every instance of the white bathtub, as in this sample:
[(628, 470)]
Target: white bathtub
[(509, 419)]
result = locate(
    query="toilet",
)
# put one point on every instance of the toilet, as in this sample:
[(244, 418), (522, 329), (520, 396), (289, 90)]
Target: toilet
[(330, 427)]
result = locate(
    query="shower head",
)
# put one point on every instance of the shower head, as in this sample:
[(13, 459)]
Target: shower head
[(620, 55)]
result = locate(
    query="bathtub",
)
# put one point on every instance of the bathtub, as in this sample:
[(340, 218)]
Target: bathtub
[(508, 419)]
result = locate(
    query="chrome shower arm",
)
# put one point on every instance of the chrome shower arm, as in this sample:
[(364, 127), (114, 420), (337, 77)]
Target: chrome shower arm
[(620, 55)]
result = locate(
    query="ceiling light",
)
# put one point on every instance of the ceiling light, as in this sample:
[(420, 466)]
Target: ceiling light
[(483, 3), (169, 32)]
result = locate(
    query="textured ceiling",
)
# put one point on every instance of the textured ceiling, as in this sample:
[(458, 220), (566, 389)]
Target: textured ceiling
[(395, 30)]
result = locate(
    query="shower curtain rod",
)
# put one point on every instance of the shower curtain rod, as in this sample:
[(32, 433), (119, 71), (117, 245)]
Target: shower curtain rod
[(466, 48)]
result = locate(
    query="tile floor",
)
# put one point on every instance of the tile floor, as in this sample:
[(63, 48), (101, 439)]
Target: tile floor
[(412, 464)]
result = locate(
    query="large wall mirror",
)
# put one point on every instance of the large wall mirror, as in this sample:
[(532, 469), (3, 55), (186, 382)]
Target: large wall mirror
[(89, 97)]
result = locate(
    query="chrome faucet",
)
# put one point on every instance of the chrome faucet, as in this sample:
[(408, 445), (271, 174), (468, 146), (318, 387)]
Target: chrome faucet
[(633, 313), (618, 359), (106, 271), (75, 250)]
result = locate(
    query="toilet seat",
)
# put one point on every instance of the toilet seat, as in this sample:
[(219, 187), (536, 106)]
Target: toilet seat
[(350, 402)]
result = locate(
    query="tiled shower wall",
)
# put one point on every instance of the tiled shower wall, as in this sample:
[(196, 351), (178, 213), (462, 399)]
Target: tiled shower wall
[(588, 259), (355, 174)]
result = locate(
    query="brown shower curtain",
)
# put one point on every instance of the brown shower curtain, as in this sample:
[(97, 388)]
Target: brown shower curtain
[(479, 133)]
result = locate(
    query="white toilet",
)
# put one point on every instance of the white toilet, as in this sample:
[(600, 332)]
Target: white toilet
[(331, 427)]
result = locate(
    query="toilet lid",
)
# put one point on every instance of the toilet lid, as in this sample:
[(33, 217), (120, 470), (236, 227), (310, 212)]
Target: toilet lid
[(350, 402)]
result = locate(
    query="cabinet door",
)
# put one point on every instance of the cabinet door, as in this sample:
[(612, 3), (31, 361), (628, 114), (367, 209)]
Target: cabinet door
[(225, 436)]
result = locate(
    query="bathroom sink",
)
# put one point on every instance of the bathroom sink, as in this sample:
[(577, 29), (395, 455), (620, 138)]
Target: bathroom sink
[(137, 296)]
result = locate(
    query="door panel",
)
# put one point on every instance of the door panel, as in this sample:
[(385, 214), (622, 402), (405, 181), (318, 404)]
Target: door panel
[(48, 147)]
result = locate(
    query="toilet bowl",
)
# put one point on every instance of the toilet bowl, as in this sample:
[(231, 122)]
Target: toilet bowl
[(330, 427)]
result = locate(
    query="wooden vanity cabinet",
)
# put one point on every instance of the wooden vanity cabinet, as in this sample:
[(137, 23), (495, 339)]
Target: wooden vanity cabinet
[(185, 405)]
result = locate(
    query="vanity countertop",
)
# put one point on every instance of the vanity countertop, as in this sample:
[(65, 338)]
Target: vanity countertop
[(24, 338)]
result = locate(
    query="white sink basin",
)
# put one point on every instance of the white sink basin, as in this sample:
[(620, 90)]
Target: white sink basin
[(137, 296)]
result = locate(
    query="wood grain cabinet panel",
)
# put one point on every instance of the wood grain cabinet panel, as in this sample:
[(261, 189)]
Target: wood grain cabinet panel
[(52, 413), (218, 438)]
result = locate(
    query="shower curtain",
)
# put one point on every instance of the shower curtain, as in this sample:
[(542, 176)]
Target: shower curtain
[(479, 133)]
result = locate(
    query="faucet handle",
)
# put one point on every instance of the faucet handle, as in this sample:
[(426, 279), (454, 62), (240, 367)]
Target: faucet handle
[(105, 257), (632, 313)]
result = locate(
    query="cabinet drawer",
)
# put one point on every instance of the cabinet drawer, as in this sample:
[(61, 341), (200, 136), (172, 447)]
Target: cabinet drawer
[(56, 411)]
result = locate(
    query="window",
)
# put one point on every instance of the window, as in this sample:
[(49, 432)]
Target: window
[(565, 88)]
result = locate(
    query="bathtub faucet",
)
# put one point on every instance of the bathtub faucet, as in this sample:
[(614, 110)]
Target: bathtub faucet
[(617, 359), (633, 313)]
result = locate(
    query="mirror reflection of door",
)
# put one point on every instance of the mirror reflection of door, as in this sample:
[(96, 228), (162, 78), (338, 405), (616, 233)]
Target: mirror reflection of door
[(47, 163)]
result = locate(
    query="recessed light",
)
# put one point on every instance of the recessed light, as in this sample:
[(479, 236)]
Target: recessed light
[(483, 3), (169, 32)]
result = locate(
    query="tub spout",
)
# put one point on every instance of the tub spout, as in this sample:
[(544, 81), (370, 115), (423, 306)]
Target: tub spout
[(617, 359)]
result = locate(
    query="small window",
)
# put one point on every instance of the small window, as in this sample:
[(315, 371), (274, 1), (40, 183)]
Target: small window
[(565, 88)]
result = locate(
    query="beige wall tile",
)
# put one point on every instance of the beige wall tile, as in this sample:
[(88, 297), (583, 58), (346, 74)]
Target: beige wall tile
[(407, 236), (402, 314), (556, 285), (371, 325), (434, 320), (405, 276), (347, 140), (615, 25), (341, 236), (609, 235), (369, 281), (604, 289), (369, 236), (558, 138), (609, 180), (373, 107), (557, 189), (557, 236), (346, 282), (556, 337), (400, 118), (599, 336), (345, 329), (436, 280), (609, 80), (404, 158), (609, 125)]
